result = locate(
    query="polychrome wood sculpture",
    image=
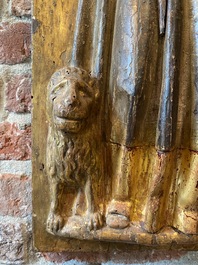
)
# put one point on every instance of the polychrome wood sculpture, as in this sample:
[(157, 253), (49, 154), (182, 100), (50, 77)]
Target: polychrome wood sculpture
[(119, 148)]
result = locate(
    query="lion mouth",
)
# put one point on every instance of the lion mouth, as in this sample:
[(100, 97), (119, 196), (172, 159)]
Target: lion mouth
[(69, 119), (66, 124)]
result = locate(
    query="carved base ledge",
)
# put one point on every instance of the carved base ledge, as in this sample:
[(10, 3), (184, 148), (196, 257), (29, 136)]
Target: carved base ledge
[(133, 234)]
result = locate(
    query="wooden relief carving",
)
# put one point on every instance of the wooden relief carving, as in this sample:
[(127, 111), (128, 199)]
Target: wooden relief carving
[(117, 156), (74, 149)]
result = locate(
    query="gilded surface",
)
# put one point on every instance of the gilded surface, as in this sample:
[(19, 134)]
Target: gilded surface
[(115, 124)]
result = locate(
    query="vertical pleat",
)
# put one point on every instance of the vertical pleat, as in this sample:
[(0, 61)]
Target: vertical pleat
[(88, 43), (162, 4), (194, 72), (167, 119), (128, 67)]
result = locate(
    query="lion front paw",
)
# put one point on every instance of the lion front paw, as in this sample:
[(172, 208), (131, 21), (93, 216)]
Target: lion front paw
[(94, 221), (55, 223)]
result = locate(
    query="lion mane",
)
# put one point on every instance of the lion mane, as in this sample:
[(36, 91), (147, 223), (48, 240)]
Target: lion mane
[(74, 153), (72, 157)]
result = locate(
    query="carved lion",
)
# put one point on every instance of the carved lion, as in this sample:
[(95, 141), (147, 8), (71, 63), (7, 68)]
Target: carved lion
[(73, 145)]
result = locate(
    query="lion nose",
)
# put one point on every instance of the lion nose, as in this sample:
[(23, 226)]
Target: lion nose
[(71, 99)]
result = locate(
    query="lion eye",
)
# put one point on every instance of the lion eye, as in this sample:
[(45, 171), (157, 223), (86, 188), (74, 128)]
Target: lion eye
[(56, 89), (61, 85), (53, 98)]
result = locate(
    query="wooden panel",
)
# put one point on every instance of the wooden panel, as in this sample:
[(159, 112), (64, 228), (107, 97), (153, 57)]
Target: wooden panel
[(147, 192)]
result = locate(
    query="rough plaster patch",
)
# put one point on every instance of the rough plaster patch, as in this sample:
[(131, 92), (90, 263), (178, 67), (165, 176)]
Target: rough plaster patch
[(42, 261), (15, 69), (16, 167), (188, 259), (23, 119)]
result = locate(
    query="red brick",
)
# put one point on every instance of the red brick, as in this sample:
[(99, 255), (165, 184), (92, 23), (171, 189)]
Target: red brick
[(15, 144), (18, 93), (14, 42), (15, 195), (21, 7)]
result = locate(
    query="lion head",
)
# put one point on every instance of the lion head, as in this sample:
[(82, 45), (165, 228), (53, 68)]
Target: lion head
[(73, 94)]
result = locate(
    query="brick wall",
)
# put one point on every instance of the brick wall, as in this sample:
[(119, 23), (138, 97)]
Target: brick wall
[(15, 131), (15, 154)]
